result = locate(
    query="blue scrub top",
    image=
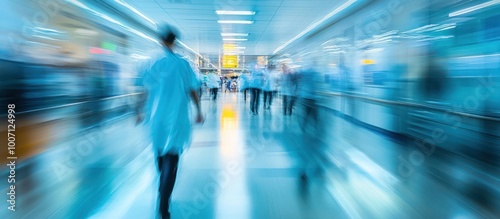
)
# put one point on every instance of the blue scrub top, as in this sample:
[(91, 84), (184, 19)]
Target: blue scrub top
[(169, 80)]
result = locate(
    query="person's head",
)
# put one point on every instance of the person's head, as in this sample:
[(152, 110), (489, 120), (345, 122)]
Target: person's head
[(168, 35)]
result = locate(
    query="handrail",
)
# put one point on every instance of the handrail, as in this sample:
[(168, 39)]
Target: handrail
[(77, 103), (414, 105)]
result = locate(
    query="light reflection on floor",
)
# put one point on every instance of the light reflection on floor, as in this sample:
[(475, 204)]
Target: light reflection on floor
[(232, 201)]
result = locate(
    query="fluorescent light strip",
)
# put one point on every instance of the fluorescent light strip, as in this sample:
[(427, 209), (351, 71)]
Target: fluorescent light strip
[(446, 28), (234, 39), (139, 56), (234, 22), (474, 8), (329, 15), (374, 50), (332, 50), (45, 37), (135, 11), (231, 50), (479, 56), (331, 47), (79, 4), (234, 34), (41, 29), (235, 12), (234, 53), (188, 48)]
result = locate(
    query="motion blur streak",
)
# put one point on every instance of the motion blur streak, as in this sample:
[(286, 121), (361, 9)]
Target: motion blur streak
[(325, 109)]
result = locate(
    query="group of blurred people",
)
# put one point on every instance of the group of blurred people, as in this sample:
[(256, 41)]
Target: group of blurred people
[(214, 82), (269, 81), (297, 85), (290, 83)]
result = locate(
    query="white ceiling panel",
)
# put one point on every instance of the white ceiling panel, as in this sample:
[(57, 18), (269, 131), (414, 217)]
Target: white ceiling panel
[(275, 21)]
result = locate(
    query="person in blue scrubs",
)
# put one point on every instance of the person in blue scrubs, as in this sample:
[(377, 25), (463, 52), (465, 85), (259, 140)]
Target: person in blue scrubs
[(289, 89), (269, 86), (243, 84), (256, 82), (214, 84), (169, 83)]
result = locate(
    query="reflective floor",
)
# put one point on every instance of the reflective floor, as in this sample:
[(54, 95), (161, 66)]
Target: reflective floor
[(242, 166)]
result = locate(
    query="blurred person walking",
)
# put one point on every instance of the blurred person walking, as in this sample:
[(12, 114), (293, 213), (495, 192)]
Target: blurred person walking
[(434, 78), (288, 89), (269, 87), (214, 83), (307, 91), (199, 77), (243, 84), (228, 84), (169, 82), (347, 86), (256, 83), (313, 146)]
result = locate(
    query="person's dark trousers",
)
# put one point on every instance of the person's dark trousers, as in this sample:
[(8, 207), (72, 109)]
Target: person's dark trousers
[(288, 102), (167, 164), (268, 98), (245, 94), (214, 93), (254, 100), (310, 112)]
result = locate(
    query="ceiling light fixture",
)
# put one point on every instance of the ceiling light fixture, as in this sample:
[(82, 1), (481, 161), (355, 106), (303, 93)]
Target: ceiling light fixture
[(221, 12), (234, 39), (233, 52), (234, 22), (307, 30), (234, 34), (331, 47), (474, 8)]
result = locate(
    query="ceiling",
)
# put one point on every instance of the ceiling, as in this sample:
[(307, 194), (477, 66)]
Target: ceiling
[(275, 21)]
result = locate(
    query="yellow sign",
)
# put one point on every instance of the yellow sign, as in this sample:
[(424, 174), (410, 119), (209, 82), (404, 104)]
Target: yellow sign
[(367, 62), (230, 61)]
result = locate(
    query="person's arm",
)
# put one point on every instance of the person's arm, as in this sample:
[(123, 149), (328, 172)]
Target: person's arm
[(143, 80), (141, 102), (196, 100)]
